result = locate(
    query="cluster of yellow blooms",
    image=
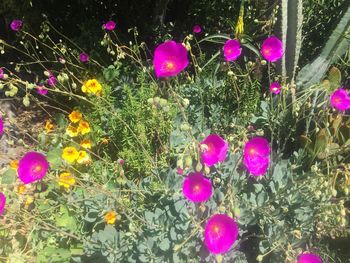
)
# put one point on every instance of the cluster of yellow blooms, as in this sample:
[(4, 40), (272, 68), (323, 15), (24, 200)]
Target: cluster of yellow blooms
[(82, 128), (92, 86)]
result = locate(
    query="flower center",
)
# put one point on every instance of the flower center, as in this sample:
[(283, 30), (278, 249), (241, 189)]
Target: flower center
[(196, 188), (267, 51), (37, 168), (252, 151), (216, 229), (170, 65)]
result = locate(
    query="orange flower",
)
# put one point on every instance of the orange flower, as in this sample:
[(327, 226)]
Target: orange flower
[(87, 144), (21, 188), (111, 217), (49, 126), (75, 116), (72, 131), (84, 127), (14, 164)]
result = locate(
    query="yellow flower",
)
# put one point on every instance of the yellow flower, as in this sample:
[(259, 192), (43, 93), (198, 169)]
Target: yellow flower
[(84, 127), (70, 154), (48, 126), (87, 144), (72, 131), (21, 188), (75, 116), (14, 164), (111, 217), (66, 180), (92, 86), (29, 200), (83, 157)]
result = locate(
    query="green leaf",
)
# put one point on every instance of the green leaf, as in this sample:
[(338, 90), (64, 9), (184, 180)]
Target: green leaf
[(54, 158), (334, 77), (53, 255), (9, 177), (164, 244), (66, 220)]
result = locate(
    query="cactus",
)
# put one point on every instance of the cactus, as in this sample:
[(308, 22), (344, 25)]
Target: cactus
[(334, 48), (291, 28)]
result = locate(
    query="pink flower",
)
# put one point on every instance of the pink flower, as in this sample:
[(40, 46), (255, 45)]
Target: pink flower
[(179, 171), (309, 258), (110, 25), (220, 233), (272, 49), (16, 25), (216, 149), (41, 89), (340, 99), (2, 203), (51, 81), (170, 58), (84, 57), (256, 155), (1, 73), (275, 88), (1, 126), (196, 187), (232, 49), (32, 167), (197, 29)]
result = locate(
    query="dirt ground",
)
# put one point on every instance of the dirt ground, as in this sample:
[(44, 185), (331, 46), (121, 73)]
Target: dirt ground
[(20, 128)]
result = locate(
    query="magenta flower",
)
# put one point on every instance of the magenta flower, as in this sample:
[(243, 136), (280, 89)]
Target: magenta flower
[(197, 29), (1, 73), (232, 49), (220, 232), (215, 149), (170, 58), (309, 258), (256, 155), (51, 81), (2, 203), (41, 89), (1, 126), (32, 167), (110, 25), (16, 25), (84, 57), (179, 171), (275, 88), (272, 49), (340, 99), (196, 187)]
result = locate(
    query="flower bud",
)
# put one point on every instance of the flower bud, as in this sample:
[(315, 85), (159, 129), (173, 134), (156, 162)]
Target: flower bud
[(186, 102), (179, 163), (188, 161), (199, 167)]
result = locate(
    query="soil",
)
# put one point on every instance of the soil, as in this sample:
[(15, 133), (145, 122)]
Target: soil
[(21, 126)]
